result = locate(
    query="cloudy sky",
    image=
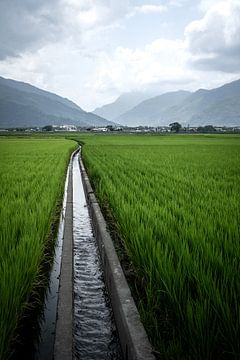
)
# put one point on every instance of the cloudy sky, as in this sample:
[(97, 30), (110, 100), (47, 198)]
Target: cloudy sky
[(91, 51)]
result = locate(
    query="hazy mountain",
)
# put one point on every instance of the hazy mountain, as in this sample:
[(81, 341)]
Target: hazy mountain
[(220, 106), (151, 111), (122, 104), (23, 105)]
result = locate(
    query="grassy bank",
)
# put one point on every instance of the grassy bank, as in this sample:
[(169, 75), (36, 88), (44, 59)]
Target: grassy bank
[(32, 179), (176, 203)]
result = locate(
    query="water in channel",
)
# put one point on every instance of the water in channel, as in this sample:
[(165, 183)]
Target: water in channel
[(95, 335)]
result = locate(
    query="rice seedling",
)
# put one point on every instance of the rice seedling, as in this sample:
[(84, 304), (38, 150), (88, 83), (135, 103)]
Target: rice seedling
[(32, 178), (176, 201)]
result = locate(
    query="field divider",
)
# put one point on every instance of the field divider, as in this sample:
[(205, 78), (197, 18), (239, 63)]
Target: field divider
[(133, 338), (63, 345)]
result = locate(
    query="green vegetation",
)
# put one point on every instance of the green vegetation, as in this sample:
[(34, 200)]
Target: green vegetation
[(32, 179), (176, 203)]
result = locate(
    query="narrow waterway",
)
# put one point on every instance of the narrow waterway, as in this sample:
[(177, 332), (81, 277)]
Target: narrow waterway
[(95, 335)]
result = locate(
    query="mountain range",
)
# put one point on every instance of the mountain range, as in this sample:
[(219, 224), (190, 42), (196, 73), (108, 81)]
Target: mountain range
[(122, 104), (152, 111), (24, 105), (218, 107)]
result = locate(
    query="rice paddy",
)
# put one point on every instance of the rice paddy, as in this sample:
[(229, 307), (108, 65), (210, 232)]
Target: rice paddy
[(32, 179), (176, 203)]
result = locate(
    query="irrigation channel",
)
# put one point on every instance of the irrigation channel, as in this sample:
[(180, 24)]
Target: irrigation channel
[(95, 335), (94, 330)]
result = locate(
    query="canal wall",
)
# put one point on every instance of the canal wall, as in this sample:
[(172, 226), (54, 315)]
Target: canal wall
[(133, 338), (63, 346)]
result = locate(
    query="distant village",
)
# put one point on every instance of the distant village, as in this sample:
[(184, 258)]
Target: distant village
[(172, 128)]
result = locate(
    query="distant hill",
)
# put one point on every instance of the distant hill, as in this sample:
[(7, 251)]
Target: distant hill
[(220, 106), (122, 104), (151, 111), (24, 105)]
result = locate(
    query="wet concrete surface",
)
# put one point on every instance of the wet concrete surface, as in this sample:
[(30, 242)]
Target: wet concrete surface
[(95, 335)]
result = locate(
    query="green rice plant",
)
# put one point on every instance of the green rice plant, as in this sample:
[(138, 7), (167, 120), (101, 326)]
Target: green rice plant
[(32, 178), (176, 202)]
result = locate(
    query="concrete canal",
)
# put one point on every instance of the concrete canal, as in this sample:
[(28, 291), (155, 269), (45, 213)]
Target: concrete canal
[(91, 331), (95, 335), (80, 325)]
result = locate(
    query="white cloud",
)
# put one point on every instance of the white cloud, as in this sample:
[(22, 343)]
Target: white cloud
[(150, 9), (89, 14), (161, 61), (76, 55), (214, 40), (59, 68), (164, 64), (179, 3), (27, 25), (207, 4)]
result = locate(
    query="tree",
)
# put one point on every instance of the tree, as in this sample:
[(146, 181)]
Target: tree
[(175, 126), (209, 128), (206, 129), (110, 128), (47, 128)]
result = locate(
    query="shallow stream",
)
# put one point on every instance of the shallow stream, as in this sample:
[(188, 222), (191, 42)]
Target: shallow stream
[(95, 335)]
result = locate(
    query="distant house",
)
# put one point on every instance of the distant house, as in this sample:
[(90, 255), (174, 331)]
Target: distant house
[(69, 127), (64, 127), (100, 129)]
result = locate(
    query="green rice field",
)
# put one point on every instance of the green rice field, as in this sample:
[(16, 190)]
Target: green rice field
[(176, 203), (32, 179)]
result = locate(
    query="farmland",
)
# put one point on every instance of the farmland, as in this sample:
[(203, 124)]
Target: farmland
[(175, 201), (32, 178)]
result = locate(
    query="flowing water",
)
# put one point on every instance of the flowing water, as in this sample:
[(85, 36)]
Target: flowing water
[(95, 335)]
